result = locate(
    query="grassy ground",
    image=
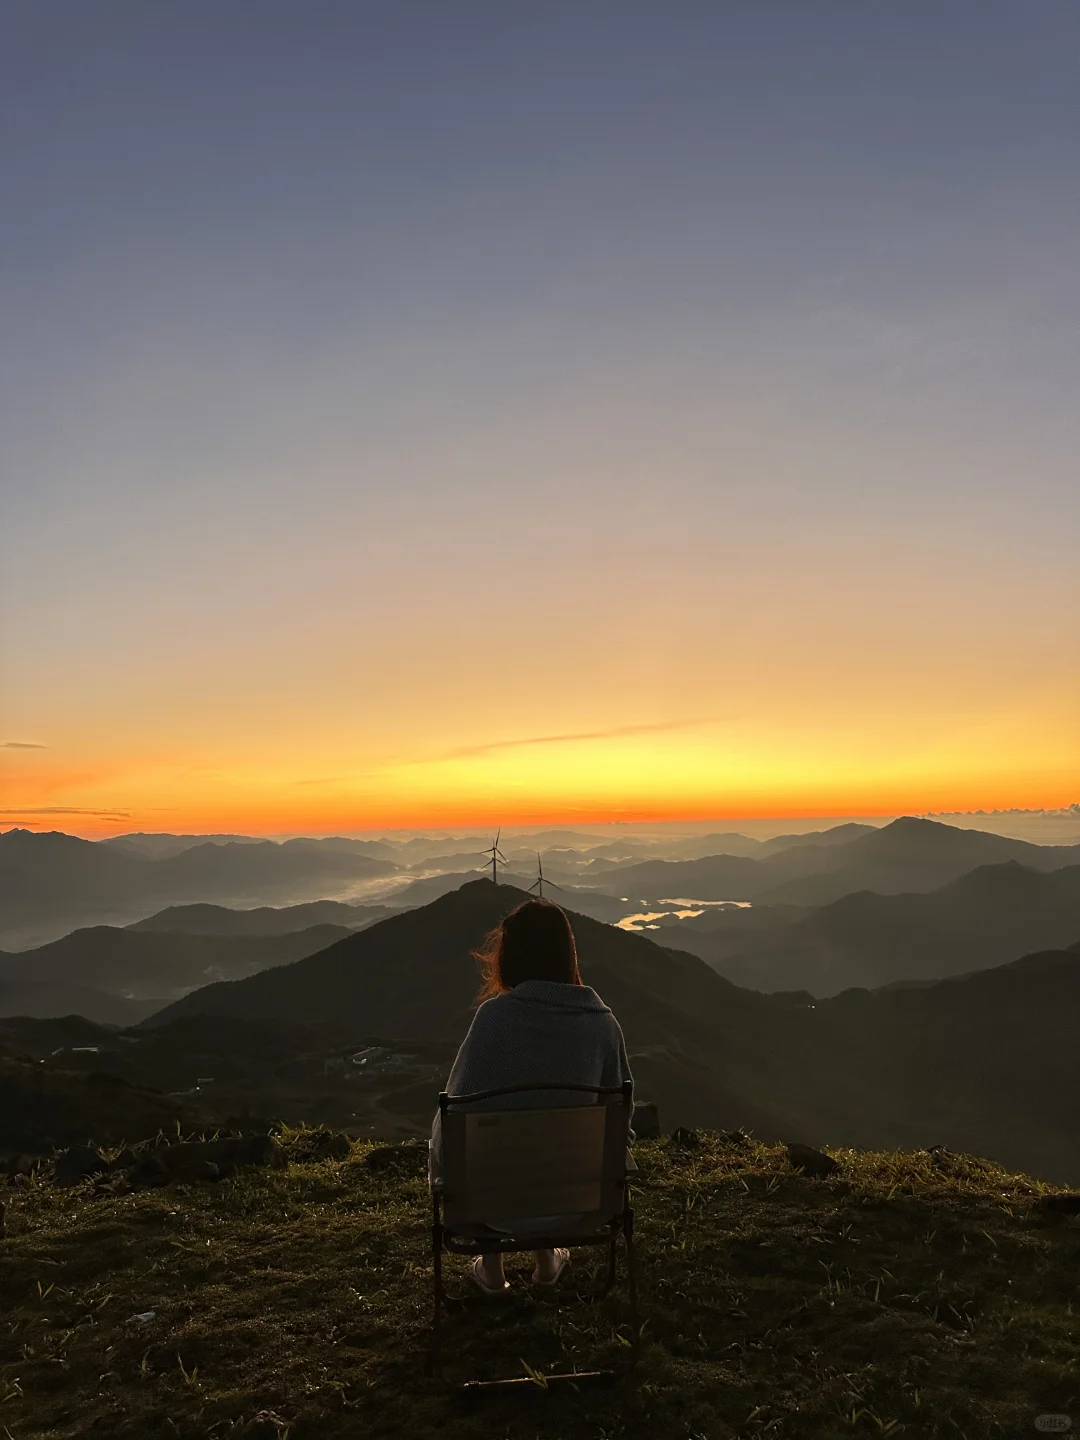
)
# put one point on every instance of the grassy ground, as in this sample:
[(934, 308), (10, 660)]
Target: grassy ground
[(901, 1297)]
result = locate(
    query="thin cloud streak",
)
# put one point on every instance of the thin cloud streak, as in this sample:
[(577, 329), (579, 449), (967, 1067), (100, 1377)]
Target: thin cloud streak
[(68, 810), (614, 733), (21, 745)]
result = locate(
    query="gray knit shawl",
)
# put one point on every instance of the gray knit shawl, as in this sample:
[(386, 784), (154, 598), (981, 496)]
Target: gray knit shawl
[(538, 1032)]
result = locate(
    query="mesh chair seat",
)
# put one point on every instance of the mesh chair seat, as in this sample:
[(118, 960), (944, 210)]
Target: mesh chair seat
[(533, 1179)]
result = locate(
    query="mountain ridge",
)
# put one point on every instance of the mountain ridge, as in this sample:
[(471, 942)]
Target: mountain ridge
[(124, 970), (984, 918), (207, 919), (50, 881), (908, 854)]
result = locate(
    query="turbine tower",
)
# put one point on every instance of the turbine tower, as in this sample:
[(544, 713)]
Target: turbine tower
[(496, 855), (539, 883)]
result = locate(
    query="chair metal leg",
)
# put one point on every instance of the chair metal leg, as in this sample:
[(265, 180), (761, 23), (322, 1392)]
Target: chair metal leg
[(612, 1262)]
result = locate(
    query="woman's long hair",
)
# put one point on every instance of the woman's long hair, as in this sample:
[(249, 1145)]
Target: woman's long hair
[(534, 942)]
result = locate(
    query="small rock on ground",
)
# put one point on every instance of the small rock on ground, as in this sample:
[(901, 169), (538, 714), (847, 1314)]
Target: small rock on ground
[(735, 1137), (809, 1160), (78, 1162), (685, 1139)]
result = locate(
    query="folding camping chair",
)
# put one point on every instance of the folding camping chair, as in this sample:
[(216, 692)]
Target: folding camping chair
[(507, 1165)]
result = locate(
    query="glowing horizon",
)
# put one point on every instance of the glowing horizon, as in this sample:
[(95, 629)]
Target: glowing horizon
[(515, 783)]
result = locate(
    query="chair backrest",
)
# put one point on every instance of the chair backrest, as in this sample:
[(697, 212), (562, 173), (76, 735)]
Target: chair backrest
[(521, 1164)]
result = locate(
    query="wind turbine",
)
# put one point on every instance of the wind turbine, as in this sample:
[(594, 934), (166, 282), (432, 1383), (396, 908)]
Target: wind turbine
[(496, 855), (539, 883)]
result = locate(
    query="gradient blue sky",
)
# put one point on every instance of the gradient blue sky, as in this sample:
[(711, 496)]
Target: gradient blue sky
[(386, 381)]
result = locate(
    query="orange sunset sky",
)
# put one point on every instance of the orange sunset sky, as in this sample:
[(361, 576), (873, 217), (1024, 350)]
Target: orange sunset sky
[(450, 416)]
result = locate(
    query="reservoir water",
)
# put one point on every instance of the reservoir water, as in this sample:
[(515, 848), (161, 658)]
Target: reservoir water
[(675, 909)]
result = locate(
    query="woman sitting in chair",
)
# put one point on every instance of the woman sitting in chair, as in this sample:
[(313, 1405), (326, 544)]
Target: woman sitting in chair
[(537, 1024)]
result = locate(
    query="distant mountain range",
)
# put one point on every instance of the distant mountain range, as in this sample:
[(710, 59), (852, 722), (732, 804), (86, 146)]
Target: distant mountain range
[(698, 847), (264, 920), (52, 882), (160, 846), (988, 916), (49, 999), (458, 861), (154, 845), (836, 835), (984, 1062), (120, 976), (908, 855)]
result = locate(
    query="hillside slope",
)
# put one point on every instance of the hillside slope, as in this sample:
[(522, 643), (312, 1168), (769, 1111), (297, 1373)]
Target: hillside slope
[(43, 1000), (124, 966), (991, 915), (261, 920), (916, 1295), (980, 1062)]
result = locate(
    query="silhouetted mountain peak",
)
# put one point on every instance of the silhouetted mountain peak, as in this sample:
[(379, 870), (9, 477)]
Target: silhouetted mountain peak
[(41, 840), (929, 837), (476, 901), (1010, 875)]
